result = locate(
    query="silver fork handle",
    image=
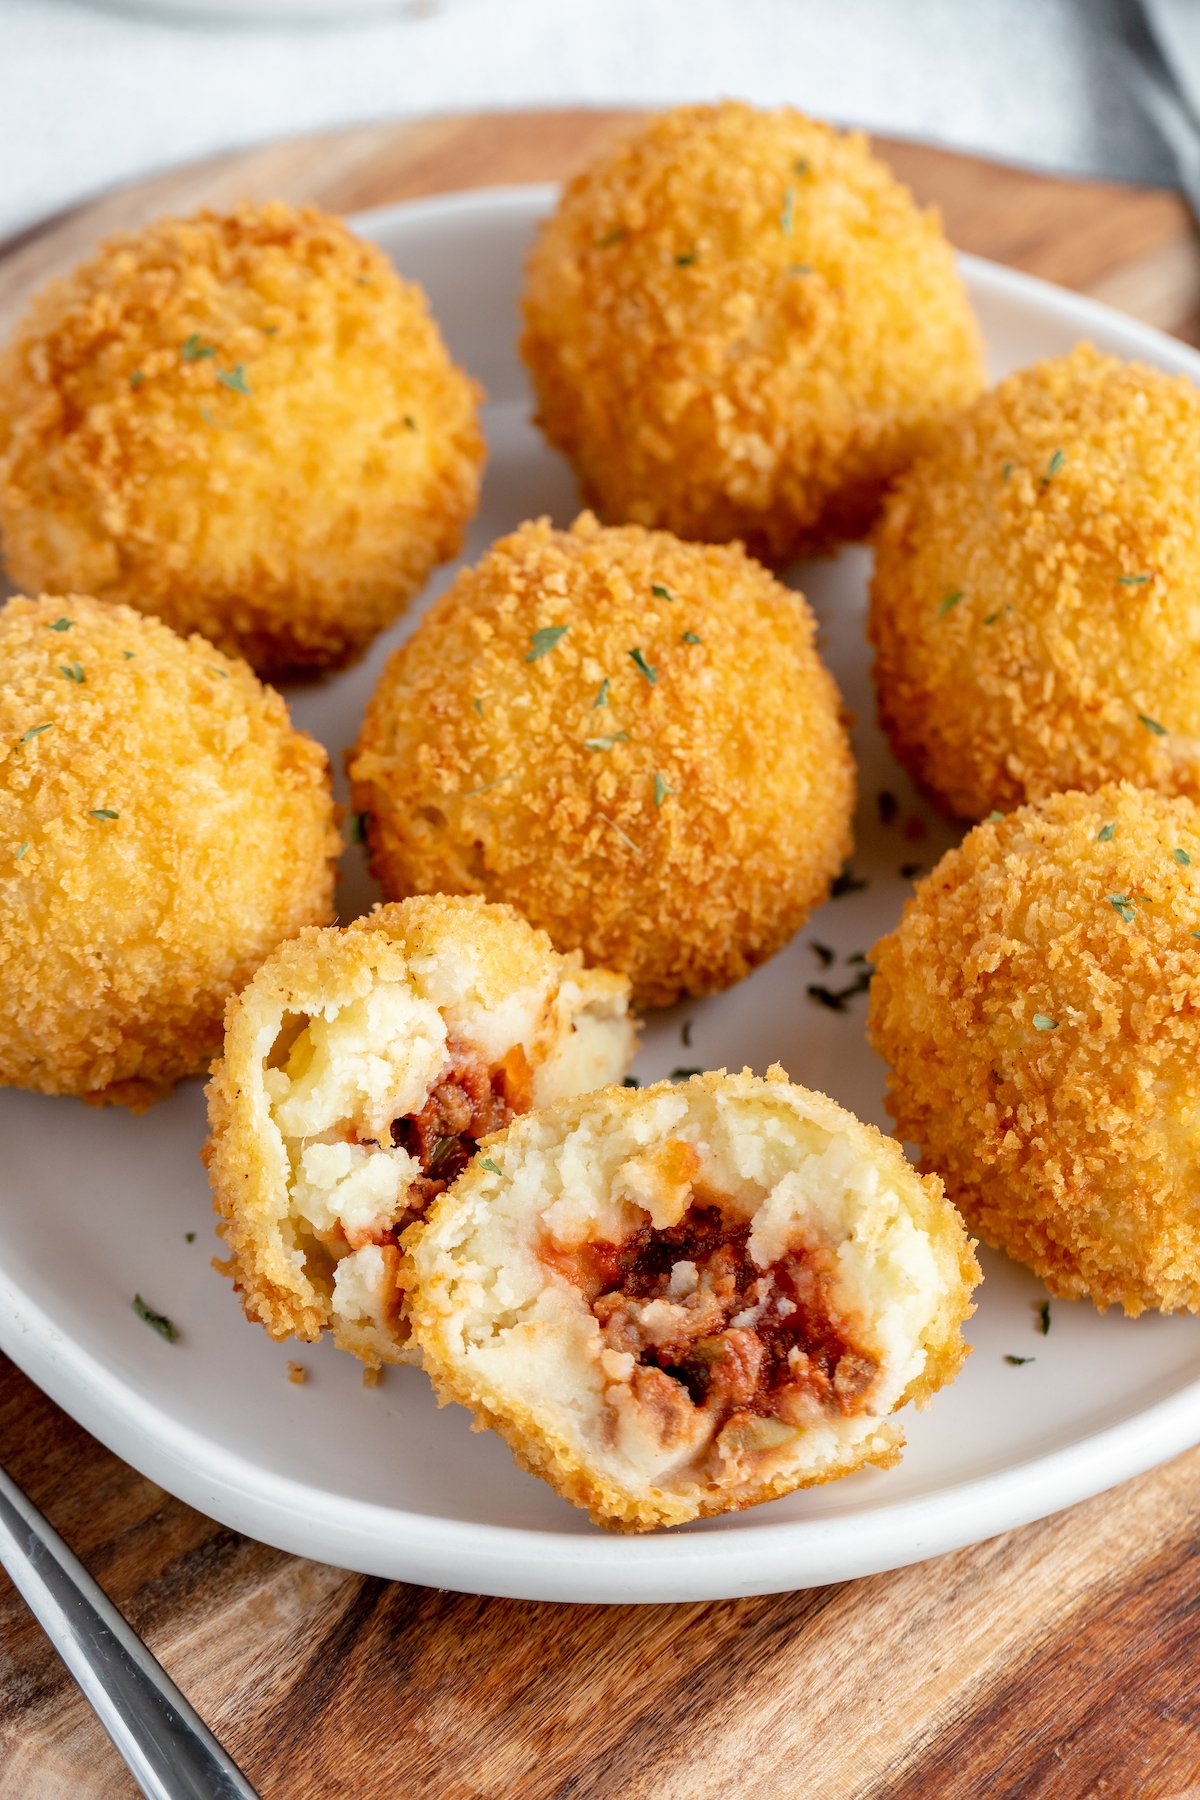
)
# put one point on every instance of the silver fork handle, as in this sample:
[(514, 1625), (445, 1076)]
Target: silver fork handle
[(169, 1749)]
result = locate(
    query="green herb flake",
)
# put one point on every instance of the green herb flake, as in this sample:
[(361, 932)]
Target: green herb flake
[(136, 379), (1152, 725), (687, 259), (214, 670), (645, 669), (1196, 934), (1017, 1361), (1132, 580), (692, 637), (661, 788), (631, 1081), (477, 707), (103, 812), (491, 1165), (601, 694), (888, 806), (189, 1237), (1043, 1317), (1007, 470), (234, 378), (410, 424), (686, 1034), (607, 742), (1106, 833), (949, 602), (788, 215), (542, 641), (683, 1074), (846, 883), (63, 624), (994, 818), (660, 592), (1043, 1022), (1120, 903), (34, 731), (910, 871), (800, 166), (358, 827), (194, 348), (823, 953), (72, 671), (800, 269), (487, 786), (20, 850), (611, 237), (155, 1320), (129, 655), (1052, 467), (1182, 858)]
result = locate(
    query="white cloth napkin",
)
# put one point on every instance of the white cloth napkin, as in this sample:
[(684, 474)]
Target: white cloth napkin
[(94, 95)]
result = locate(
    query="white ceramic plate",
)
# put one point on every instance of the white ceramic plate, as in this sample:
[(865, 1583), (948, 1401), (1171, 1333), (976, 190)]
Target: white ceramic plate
[(95, 1205)]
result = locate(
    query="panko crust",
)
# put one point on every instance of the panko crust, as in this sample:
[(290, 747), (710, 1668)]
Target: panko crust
[(679, 830), (245, 423), (1031, 602), (1072, 1146), (162, 827), (740, 325), (429, 1276), (243, 1155)]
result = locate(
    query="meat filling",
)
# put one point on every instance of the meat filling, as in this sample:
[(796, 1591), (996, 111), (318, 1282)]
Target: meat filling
[(690, 1301), (466, 1103)]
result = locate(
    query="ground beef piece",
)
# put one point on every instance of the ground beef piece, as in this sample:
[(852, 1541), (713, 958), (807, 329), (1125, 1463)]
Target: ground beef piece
[(690, 1301), (467, 1102)]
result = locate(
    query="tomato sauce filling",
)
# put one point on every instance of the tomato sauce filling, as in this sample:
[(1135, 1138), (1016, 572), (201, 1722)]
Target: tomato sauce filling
[(690, 1301), (468, 1101)]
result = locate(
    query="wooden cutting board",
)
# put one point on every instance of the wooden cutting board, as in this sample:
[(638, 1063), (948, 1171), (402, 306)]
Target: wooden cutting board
[(1056, 1661)]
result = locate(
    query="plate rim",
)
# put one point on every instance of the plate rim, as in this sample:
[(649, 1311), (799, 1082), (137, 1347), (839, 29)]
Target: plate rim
[(524, 1562)]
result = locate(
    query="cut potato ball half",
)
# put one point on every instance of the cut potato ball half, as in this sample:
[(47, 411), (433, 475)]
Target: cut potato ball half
[(686, 1299), (361, 1068)]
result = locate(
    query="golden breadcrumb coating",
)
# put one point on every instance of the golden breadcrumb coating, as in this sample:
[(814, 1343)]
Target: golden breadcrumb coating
[(1040, 1007), (739, 325), (245, 423), (629, 738), (360, 1068), (1031, 608), (689, 1299), (162, 827)]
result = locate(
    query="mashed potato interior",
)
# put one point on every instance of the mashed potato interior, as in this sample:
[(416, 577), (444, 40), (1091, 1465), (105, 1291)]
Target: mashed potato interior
[(702, 1294)]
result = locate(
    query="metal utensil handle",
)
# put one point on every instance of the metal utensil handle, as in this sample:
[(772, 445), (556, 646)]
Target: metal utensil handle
[(168, 1747)]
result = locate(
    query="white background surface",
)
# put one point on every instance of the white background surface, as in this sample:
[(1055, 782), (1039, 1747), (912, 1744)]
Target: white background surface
[(382, 1481), (95, 94)]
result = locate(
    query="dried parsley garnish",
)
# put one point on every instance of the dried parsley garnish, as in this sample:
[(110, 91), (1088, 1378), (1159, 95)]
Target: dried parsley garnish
[(687, 259), (542, 641), (1152, 725), (691, 637), (683, 1074), (492, 1167), (1016, 1361), (607, 742), (194, 348), (788, 215), (662, 788), (601, 694), (1105, 833), (1043, 1022), (645, 669), (34, 731), (155, 1320), (1182, 858), (103, 812), (1132, 580), (1043, 1317), (1052, 467), (234, 378), (72, 671), (660, 592), (846, 883), (60, 625), (611, 237), (822, 952), (949, 602), (888, 806)]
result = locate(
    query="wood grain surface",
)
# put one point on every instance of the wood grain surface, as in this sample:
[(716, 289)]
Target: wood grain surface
[(1052, 1663)]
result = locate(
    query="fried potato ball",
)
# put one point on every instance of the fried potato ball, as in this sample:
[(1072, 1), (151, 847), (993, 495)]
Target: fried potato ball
[(688, 1299), (739, 325), (162, 827), (245, 423), (361, 1068), (630, 739), (1039, 1005), (1031, 608)]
